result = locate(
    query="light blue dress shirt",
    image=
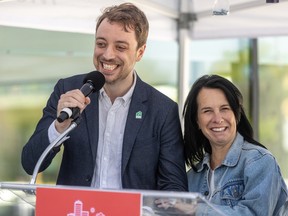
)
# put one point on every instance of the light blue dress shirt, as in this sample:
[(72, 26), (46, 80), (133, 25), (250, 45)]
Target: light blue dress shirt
[(112, 122)]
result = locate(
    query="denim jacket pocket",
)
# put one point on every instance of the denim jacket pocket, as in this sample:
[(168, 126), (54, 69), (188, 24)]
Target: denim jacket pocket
[(232, 192)]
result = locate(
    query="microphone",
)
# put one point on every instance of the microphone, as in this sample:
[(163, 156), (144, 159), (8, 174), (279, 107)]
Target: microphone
[(93, 82)]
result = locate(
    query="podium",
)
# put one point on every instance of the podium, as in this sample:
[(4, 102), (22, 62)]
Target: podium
[(41, 200), (54, 200)]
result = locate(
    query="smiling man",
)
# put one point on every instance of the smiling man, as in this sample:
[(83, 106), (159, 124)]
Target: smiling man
[(130, 134)]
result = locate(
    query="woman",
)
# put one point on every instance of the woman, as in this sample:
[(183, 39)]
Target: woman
[(231, 169)]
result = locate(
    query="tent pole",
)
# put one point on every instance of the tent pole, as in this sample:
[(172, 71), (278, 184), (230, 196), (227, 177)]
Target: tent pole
[(254, 86), (183, 58)]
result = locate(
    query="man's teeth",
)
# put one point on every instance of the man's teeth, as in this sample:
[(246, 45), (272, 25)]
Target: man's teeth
[(218, 129), (109, 67)]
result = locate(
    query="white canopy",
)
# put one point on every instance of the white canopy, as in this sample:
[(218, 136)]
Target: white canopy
[(181, 20), (247, 18)]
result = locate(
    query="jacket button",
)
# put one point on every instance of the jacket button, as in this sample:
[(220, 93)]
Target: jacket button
[(88, 178), (206, 193)]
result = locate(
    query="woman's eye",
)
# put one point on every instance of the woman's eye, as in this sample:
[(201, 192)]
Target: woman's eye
[(207, 111), (226, 108)]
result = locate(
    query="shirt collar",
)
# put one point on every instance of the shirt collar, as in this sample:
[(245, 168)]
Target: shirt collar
[(231, 158), (125, 98), (234, 152)]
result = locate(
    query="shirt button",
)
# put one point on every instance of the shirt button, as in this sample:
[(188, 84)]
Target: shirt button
[(206, 193), (88, 178)]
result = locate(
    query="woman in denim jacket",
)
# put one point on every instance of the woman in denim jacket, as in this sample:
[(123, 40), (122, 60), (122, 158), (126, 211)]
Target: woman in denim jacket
[(231, 169)]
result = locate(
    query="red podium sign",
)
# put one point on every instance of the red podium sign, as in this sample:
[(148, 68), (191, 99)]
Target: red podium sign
[(68, 202)]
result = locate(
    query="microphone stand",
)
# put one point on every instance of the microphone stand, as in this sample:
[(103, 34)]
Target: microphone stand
[(56, 142)]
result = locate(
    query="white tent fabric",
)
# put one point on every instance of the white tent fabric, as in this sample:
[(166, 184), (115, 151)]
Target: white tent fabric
[(80, 16), (181, 20), (247, 18)]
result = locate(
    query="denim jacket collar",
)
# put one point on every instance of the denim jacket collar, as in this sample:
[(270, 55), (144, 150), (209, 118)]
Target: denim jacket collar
[(231, 158)]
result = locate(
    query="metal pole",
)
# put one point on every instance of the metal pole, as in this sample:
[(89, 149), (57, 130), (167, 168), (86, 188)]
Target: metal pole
[(272, 1), (184, 43), (57, 142), (254, 87)]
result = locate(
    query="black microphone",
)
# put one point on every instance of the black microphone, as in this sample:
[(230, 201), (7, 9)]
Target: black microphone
[(93, 82)]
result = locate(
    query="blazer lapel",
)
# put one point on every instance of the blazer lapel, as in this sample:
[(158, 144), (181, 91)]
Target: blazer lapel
[(135, 118), (92, 118)]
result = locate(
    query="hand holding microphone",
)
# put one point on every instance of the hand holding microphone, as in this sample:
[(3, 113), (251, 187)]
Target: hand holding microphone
[(73, 101), (71, 104)]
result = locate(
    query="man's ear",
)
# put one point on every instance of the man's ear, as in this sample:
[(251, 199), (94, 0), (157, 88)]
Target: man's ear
[(140, 52)]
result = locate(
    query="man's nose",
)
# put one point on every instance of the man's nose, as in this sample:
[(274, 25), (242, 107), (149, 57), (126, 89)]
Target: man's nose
[(109, 53)]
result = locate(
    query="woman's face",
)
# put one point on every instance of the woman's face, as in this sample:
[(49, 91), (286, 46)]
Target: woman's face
[(215, 118)]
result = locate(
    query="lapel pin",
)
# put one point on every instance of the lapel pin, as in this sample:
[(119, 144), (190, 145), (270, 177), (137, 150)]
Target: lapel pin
[(138, 115)]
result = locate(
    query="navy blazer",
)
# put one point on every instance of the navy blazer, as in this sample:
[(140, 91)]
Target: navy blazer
[(152, 156)]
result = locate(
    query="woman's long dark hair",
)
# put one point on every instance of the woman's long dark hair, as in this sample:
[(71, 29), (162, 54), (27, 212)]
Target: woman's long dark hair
[(195, 143)]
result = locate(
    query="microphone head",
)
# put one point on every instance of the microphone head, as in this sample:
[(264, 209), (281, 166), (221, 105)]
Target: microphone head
[(96, 78)]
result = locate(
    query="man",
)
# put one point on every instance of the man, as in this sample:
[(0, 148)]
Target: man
[(130, 134)]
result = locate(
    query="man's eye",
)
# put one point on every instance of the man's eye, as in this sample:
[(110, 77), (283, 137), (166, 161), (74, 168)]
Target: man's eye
[(100, 44), (121, 48)]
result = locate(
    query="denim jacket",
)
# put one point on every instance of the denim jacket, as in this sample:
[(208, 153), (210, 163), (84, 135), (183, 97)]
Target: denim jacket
[(248, 182)]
